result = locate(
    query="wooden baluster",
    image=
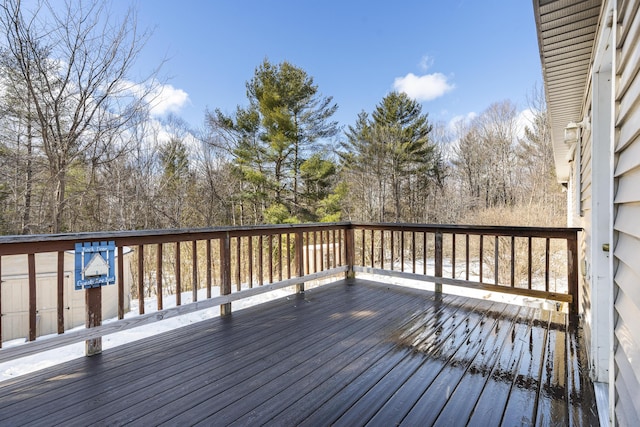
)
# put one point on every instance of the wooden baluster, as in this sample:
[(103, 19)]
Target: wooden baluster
[(288, 244), (321, 250), (60, 296), (513, 261), (373, 248), (31, 261), (481, 257), (178, 269), (393, 256), (425, 249), (382, 249), (308, 243), (327, 253), (120, 282), (496, 255), (334, 249), (530, 262), (363, 262), (279, 237), (194, 270), (270, 258), (250, 260), (209, 272), (239, 264), (467, 256), (413, 251), (140, 279), (453, 256), (159, 291), (260, 260), (340, 246), (381, 252), (546, 265), (402, 251)]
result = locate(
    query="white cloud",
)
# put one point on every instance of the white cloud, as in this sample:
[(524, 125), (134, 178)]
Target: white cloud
[(461, 119), (166, 98), (425, 63), (423, 88), (524, 119), (162, 98)]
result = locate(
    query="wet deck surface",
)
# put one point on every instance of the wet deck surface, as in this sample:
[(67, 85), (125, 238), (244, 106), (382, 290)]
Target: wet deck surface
[(341, 354)]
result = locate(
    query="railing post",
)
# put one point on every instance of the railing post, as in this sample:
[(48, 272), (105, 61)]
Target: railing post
[(299, 242), (93, 302), (225, 272), (572, 272), (438, 260), (350, 251)]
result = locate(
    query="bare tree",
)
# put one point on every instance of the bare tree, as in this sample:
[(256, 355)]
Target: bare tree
[(74, 63), (216, 187), (538, 183), (485, 156)]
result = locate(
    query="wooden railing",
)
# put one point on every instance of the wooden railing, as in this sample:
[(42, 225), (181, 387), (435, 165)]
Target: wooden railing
[(239, 261), (537, 262), (246, 261)]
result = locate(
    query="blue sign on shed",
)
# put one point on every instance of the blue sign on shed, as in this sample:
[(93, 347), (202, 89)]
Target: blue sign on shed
[(95, 264)]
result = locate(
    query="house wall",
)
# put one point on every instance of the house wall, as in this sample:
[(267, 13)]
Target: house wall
[(626, 223), (15, 296), (591, 212)]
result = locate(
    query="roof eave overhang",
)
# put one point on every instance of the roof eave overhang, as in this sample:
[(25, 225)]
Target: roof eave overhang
[(566, 38)]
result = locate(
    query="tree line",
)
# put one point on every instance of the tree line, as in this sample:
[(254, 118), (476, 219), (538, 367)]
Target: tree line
[(79, 150)]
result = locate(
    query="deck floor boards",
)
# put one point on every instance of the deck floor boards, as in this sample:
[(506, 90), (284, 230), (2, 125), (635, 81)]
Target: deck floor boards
[(363, 353)]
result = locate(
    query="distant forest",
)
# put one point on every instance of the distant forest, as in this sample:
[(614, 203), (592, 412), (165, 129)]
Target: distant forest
[(80, 152)]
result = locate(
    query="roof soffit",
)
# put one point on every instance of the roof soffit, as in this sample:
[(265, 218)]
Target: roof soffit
[(566, 34)]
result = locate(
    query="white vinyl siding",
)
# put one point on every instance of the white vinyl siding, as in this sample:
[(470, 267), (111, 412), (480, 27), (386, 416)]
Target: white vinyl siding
[(627, 217)]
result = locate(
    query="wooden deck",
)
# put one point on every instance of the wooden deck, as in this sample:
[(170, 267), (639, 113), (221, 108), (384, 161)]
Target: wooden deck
[(341, 354)]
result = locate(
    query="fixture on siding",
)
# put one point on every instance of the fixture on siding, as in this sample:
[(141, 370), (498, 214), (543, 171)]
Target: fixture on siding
[(572, 131), (571, 134)]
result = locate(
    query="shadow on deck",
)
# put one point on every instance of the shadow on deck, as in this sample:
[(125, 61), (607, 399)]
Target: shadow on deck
[(365, 353)]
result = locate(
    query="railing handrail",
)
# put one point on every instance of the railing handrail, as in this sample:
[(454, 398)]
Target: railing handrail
[(64, 241), (493, 230), (39, 243)]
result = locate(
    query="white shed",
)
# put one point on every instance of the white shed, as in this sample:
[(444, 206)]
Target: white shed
[(15, 296)]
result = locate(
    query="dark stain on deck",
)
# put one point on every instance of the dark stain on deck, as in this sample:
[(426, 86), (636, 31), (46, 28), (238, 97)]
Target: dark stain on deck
[(343, 354)]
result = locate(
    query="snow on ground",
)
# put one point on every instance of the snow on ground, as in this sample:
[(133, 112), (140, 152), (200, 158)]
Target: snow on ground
[(21, 366), (45, 359)]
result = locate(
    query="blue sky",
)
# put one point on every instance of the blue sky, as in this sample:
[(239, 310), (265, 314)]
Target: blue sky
[(455, 57)]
